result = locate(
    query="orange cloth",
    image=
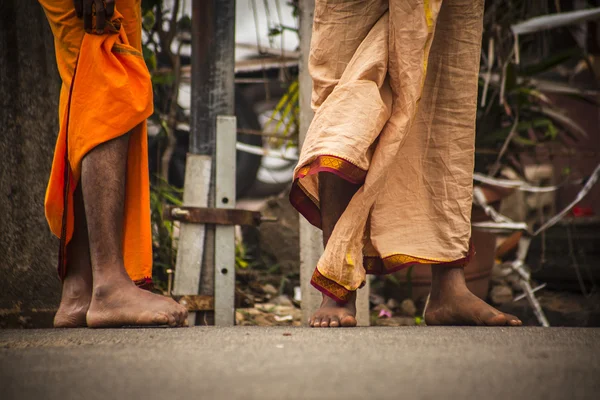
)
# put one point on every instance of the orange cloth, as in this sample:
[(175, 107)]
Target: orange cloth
[(395, 95), (106, 92)]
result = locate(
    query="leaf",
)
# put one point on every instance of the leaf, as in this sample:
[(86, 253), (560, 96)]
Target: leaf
[(149, 57), (551, 21), (511, 77), (563, 120), (150, 4), (534, 93), (148, 20), (166, 78), (184, 24), (552, 61)]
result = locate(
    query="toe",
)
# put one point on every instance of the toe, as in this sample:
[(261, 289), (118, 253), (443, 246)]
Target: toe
[(181, 315), (160, 319), (316, 322), (325, 323), (496, 320), (513, 321), (334, 322), (172, 321), (348, 321), (184, 318)]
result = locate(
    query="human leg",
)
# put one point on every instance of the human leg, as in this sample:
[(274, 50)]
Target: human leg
[(452, 303), (77, 283), (335, 193), (116, 301)]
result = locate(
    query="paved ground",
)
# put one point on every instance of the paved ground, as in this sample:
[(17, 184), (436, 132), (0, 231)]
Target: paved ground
[(269, 363)]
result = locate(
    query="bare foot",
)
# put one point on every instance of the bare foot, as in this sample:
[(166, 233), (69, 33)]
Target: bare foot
[(333, 315), (120, 303), (451, 303), (74, 303)]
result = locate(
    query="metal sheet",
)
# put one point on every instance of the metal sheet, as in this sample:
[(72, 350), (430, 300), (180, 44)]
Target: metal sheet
[(225, 235), (218, 216), (191, 236)]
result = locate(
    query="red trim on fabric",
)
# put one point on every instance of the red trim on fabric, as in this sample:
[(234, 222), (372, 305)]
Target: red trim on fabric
[(62, 251), (379, 268), (307, 206), (304, 205), (327, 293), (344, 170), (145, 283)]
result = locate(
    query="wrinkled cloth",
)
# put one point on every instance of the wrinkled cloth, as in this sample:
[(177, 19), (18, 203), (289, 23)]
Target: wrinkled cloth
[(394, 93), (106, 92)]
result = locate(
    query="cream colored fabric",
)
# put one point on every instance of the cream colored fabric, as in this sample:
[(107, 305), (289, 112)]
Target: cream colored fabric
[(395, 91)]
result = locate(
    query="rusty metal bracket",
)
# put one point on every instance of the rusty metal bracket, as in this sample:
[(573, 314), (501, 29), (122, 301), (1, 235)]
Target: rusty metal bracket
[(217, 216), (198, 302)]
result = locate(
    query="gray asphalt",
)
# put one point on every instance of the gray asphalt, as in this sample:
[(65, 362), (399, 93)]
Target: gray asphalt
[(299, 363)]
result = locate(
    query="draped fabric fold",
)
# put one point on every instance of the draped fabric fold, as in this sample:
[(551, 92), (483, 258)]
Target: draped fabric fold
[(106, 92), (394, 93)]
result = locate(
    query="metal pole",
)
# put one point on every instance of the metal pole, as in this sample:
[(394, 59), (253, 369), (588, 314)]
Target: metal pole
[(311, 238), (212, 94)]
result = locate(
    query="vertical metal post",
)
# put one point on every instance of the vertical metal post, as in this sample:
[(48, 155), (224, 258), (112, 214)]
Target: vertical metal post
[(212, 94), (225, 234), (311, 238)]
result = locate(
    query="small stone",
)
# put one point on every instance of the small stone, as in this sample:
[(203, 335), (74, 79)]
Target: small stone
[(396, 321), (270, 289), (251, 311), (376, 299), (408, 308), (265, 307), (265, 320), (381, 307), (501, 294), (392, 304), (282, 300), (283, 310), (25, 322), (239, 317)]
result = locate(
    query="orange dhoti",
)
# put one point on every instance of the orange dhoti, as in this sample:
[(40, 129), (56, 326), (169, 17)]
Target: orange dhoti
[(395, 94), (106, 92)]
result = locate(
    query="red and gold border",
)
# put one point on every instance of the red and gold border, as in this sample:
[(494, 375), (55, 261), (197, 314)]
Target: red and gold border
[(306, 204), (145, 283), (381, 266)]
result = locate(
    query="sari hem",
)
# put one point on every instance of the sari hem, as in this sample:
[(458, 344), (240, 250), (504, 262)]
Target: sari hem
[(305, 203), (381, 266)]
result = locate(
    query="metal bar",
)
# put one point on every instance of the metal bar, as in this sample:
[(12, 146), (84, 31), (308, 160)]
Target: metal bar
[(212, 92), (535, 289), (217, 216), (196, 302), (212, 70), (225, 234), (191, 236), (311, 238), (535, 304), (288, 154)]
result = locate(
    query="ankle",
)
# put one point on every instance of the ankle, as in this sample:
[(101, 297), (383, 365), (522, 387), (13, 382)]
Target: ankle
[(447, 281), (329, 302), (75, 286)]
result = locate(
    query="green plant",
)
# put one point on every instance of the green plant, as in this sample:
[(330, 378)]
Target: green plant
[(163, 241), (519, 76)]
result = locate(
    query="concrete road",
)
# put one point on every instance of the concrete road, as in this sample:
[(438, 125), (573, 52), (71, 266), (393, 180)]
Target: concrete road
[(293, 363)]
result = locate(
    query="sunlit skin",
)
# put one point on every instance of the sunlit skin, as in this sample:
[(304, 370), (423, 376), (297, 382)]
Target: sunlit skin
[(450, 303), (97, 291)]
